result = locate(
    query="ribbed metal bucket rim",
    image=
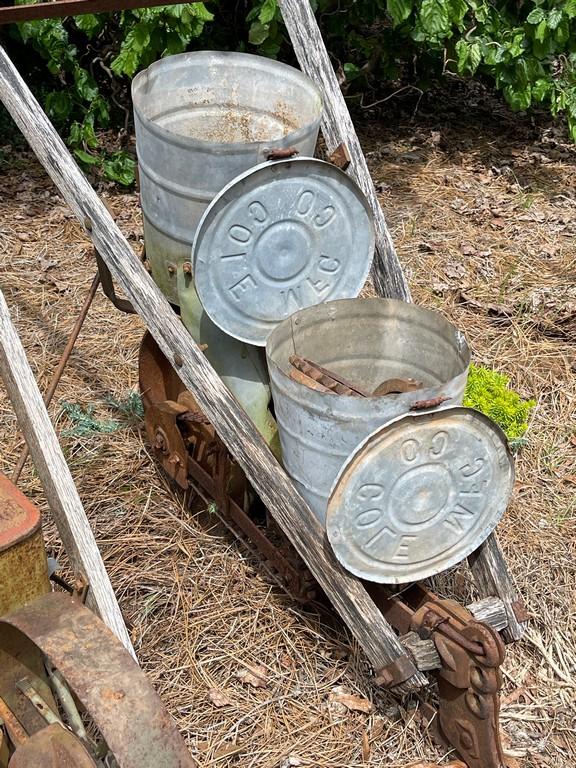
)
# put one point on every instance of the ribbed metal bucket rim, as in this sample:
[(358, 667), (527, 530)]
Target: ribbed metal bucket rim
[(225, 147)]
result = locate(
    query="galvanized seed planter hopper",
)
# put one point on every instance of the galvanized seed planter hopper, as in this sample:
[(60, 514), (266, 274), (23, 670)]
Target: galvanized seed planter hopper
[(209, 427)]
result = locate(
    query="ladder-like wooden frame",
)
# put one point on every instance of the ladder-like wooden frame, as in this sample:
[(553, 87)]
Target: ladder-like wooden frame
[(237, 431)]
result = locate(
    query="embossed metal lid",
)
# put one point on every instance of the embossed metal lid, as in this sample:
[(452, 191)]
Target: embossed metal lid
[(280, 237), (419, 495)]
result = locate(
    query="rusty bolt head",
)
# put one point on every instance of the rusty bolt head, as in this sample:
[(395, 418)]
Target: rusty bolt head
[(178, 359), (187, 268), (160, 441), (383, 678), (171, 269)]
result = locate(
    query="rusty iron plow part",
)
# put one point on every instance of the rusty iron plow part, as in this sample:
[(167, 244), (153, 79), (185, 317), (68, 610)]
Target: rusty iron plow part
[(469, 681), (191, 453), (470, 652), (52, 747), (105, 680)]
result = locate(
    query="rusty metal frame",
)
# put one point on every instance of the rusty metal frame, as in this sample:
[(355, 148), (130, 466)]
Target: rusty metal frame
[(53, 10), (470, 652)]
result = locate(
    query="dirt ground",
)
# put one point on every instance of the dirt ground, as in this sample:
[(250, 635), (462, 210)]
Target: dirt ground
[(482, 208)]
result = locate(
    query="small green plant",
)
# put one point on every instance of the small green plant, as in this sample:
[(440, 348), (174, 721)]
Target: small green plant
[(129, 408), (84, 422), (488, 391)]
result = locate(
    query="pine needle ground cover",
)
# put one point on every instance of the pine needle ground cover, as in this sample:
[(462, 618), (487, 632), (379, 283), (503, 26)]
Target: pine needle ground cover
[(482, 208)]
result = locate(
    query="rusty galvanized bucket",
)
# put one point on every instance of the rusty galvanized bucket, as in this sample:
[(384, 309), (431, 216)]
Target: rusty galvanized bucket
[(367, 341), (201, 119)]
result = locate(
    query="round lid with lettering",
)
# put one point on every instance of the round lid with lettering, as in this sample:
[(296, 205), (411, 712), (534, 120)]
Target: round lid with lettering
[(419, 495), (280, 237)]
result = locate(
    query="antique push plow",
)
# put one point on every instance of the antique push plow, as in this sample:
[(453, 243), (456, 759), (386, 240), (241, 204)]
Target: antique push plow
[(204, 438)]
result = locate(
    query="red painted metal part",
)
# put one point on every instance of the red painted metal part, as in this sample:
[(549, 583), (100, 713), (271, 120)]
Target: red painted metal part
[(105, 679), (19, 518)]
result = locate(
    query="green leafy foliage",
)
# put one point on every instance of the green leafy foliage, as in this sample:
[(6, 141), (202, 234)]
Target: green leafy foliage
[(81, 66), (526, 49), (85, 56), (488, 391), (129, 408)]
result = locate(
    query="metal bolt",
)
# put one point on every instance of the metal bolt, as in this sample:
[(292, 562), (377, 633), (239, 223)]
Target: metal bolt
[(383, 677), (171, 269), (187, 268), (159, 441)]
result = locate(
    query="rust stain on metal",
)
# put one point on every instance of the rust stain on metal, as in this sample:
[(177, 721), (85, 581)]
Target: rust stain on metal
[(397, 672), (397, 386), (23, 567), (106, 680), (469, 681), (281, 153), (307, 381), (422, 405), (13, 726), (520, 611), (187, 446), (340, 157)]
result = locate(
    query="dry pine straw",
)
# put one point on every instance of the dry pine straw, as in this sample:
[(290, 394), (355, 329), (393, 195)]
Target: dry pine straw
[(487, 211)]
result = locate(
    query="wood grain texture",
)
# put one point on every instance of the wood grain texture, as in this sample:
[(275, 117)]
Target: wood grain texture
[(423, 651), (493, 578), (55, 476), (490, 610), (235, 428), (338, 128)]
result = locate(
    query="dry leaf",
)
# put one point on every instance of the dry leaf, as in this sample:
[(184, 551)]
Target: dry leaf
[(354, 703), (218, 698), (570, 479), (228, 750), (466, 249), (254, 676), (46, 264), (455, 270)]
